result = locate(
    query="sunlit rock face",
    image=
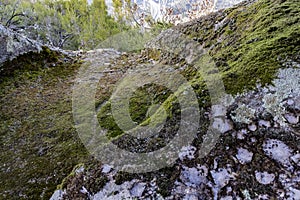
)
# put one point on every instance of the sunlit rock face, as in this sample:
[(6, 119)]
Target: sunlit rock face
[(222, 4), (182, 11)]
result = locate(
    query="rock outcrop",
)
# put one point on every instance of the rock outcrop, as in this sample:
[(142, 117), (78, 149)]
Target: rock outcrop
[(14, 44)]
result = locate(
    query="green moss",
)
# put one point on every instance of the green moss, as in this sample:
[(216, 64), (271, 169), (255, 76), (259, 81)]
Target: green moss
[(139, 104), (139, 108), (106, 120), (251, 40), (38, 139)]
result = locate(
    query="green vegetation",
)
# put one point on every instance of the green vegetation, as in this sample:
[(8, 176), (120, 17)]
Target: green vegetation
[(39, 143), (68, 24), (250, 42)]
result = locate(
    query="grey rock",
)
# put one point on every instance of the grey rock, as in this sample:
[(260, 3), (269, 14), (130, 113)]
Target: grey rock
[(264, 177), (57, 195), (138, 189), (14, 44)]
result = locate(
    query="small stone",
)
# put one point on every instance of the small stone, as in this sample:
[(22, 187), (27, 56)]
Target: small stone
[(241, 134), (294, 193), (264, 123), (187, 152), (291, 118), (252, 127), (106, 168), (79, 170), (218, 111), (280, 193), (138, 189), (253, 140), (244, 156), (57, 195), (263, 197), (193, 176), (190, 197), (221, 177), (290, 102), (84, 190), (264, 177), (296, 159), (222, 125), (226, 198)]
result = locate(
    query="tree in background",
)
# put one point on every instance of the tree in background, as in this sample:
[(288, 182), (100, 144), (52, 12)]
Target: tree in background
[(67, 24), (99, 25)]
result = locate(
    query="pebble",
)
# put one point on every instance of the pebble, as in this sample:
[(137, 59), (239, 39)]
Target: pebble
[(218, 111), (138, 189), (242, 133), (296, 159), (192, 176), (244, 156), (221, 177), (57, 195), (222, 125), (264, 177), (106, 168), (264, 123), (252, 127), (292, 119)]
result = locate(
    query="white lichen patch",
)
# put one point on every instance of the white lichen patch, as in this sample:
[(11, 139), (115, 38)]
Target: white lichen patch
[(243, 114), (286, 85), (194, 176), (221, 177), (271, 100), (273, 105), (264, 177), (244, 156), (222, 125), (246, 195), (278, 151), (124, 191), (187, 152)]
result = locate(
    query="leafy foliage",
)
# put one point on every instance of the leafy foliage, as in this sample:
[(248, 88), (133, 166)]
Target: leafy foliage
[(72, 24)]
